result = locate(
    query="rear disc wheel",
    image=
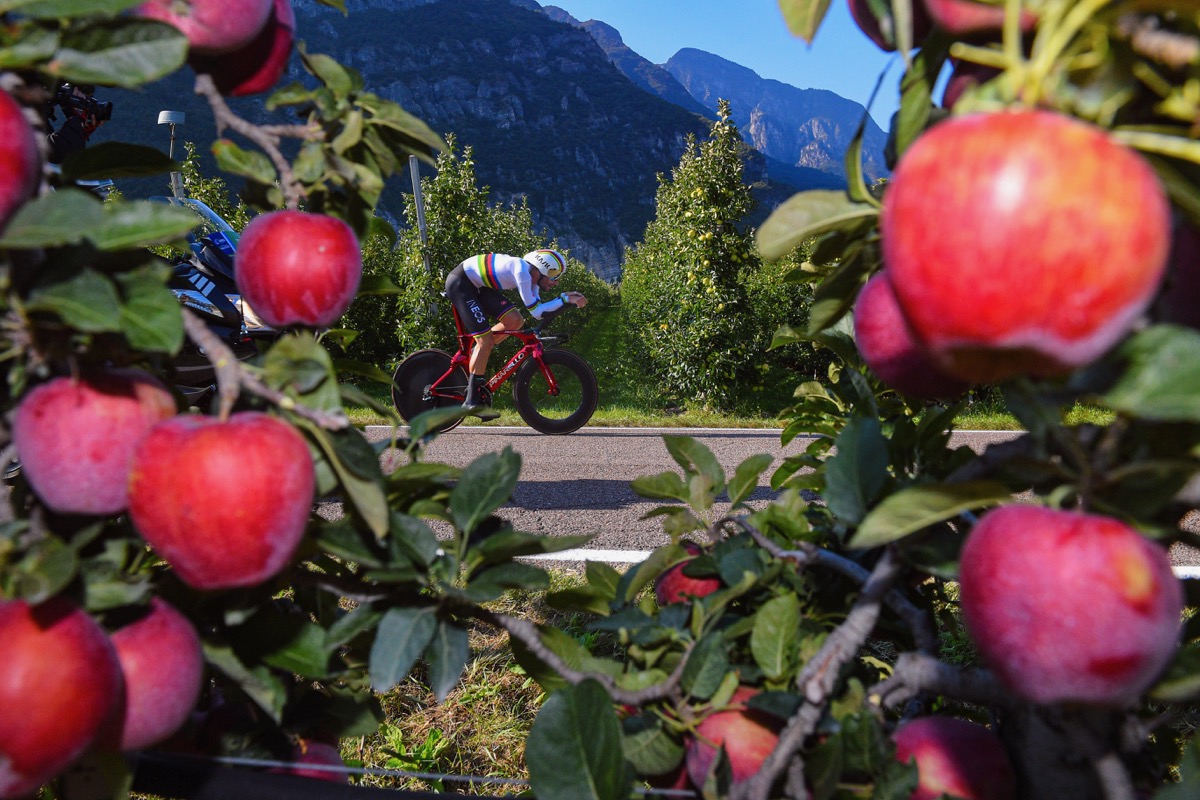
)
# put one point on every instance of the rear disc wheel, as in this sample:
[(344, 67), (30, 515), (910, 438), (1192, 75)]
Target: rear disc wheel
[(412, 381)]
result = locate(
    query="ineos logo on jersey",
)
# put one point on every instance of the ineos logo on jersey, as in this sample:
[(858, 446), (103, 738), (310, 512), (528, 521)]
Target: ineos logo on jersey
[(477, 312)]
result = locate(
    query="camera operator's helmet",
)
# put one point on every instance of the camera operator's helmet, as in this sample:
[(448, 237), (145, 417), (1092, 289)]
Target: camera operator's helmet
[(550, 263)]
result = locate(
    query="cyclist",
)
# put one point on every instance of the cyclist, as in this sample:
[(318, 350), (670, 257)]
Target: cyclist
[(474, 287)]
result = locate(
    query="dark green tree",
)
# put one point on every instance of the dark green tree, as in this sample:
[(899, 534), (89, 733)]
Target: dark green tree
[(684, 288)]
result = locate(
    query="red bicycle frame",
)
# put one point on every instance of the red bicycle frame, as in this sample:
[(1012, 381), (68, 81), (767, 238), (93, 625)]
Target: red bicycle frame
[(531, 349)]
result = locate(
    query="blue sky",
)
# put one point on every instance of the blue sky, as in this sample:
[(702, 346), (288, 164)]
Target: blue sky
[(752, 33)]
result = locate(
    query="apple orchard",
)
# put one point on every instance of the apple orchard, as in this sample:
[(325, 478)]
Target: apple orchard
[(937, 622)]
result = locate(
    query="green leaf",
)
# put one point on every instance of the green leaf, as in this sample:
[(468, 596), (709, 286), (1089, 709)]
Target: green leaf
[(595, 596), (574, 750), (856, 186), (88, 302), (140, 224), (857, 472), (359, 620), (695, 458), (363, 492), (285, 641), (917, 507), (250, 164), (706, 667), (258, 682), (125, 53), (745, 478), (58, 9), (1181, 681), (337, 78), (401, 128), (1162, 379), (649, 746), (446, 657), (507, 544), (835, 296), (362, 369), (350, 135), (916, 93), (35, 46), (773, 639), (486, 484), (115, 160), (809, 214), (639, 575), (46, 570), (150, 317), (403, 634), (804, 17), (664, 486), (493, 582), (54, 220)]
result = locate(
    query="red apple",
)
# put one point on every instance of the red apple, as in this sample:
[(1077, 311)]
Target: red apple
[(887, 345), (257, 66), (748, 737), (211, 26), (19, 159), (673, 586), (225, 503), (1069, 607), (298, 269), (309, 752), (965, 18), (163, 667), (860, 11), (1022, 243), (76, 437), (59, 681), (956, 758)]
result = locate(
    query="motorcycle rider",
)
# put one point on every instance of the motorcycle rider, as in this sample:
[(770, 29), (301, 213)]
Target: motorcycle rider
[(474, 287)]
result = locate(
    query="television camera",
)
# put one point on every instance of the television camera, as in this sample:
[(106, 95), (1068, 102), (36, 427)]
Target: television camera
[(66, 99)]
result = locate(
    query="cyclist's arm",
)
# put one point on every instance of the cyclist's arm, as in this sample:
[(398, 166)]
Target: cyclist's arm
[(532, 297), (540, 308)]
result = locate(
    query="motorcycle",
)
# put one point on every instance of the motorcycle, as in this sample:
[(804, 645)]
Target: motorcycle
[(204, 282)]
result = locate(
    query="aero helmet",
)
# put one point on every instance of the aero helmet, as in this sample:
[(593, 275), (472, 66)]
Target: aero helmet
[(550, 263)]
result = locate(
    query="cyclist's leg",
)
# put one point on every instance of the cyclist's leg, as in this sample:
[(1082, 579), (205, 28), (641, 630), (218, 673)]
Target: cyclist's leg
[(495, 305), (467, 301)]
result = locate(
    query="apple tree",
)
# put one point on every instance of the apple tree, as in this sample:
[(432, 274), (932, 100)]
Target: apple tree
[(683, 291), (165, 581), (912, 618)]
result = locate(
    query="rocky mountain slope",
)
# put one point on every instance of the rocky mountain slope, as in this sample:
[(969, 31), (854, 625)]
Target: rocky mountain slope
[(559, 112)]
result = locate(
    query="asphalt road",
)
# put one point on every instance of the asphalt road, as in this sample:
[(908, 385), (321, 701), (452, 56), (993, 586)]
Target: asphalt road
[(580, 484)]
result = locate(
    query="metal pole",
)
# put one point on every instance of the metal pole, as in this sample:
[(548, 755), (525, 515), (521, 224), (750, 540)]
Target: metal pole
[(415, 170), (173, 118)]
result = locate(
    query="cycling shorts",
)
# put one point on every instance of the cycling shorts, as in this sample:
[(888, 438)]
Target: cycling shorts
[(475, 304)]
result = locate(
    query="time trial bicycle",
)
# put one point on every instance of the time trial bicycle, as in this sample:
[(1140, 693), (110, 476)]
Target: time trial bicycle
[(555, 390)]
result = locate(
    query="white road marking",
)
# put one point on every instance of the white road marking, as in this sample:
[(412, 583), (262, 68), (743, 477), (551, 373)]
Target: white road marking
[(637, 556)]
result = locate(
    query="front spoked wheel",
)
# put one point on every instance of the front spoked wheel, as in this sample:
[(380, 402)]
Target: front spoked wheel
[(412, 385), (565, 412)]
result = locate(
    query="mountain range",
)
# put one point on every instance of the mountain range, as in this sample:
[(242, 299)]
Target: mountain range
[(556, 110)]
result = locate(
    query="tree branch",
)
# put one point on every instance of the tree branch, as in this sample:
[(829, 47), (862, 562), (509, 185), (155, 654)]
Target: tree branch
[(917, 673), (233, 377), (266, 137), (924, 635), (527, 634), (818, 679)]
